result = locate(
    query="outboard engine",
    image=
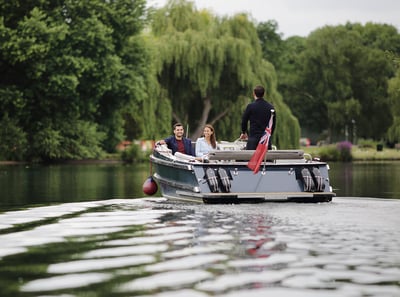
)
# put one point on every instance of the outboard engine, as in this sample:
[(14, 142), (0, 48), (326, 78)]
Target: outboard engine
[(225, 182), (308, 180), (318, 180), (212, 180)]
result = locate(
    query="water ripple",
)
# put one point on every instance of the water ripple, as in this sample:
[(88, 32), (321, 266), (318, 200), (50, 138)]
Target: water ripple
[(65, 282), (166, 280), (99, 264), (151, 247), (186, 262)]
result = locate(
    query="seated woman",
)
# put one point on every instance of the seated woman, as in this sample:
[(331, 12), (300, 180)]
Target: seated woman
[(206, 143)]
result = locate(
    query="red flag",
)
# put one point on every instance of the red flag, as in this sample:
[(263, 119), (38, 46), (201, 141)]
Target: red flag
[(262, 148)]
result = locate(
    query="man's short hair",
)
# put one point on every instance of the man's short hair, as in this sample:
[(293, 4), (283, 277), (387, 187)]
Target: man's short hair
[(259, 91), (177, 125)]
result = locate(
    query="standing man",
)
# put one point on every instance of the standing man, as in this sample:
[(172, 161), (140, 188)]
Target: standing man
[(177, 142), (258, 113)]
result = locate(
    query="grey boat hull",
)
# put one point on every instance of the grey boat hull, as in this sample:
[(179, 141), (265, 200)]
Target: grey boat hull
[(224, 179)]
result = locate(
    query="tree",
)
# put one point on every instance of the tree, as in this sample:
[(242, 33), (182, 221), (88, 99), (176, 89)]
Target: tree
[(209, 66), (339, 64), (394, 95), (342, 115), (289, 66), (71, 70), (271, 42)]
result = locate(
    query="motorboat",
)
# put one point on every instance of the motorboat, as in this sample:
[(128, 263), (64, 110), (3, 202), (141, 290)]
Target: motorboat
[(224, 177)]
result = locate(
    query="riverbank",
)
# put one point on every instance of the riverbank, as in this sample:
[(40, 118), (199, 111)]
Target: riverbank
[(358, 154), (109, 159), (361, 154)]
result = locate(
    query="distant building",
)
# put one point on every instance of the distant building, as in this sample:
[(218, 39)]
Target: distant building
[(305, 141), (123, 145), (146, 145)]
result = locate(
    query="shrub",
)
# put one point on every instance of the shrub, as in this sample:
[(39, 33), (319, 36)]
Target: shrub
[(366, 143), (67, 141), (339, 152), (133, 154), (13, 144), (344, 149), (328, 153)]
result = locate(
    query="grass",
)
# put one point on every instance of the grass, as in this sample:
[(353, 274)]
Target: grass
[(361, 154), (373, 154)]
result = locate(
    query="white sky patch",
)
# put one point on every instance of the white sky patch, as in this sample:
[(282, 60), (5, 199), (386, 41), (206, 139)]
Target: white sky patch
[(301, 17)]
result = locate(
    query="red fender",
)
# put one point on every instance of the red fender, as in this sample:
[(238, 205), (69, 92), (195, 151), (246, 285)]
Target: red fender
[(150, 186)]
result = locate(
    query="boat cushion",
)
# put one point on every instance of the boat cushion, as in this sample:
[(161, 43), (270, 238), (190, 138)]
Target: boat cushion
[(246, 155)]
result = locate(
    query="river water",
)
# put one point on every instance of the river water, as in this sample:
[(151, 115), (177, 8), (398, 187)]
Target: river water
[(23, 185), (95, 242), (142, 247)]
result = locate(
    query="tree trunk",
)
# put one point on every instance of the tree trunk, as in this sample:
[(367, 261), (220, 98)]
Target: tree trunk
[(203, 120)]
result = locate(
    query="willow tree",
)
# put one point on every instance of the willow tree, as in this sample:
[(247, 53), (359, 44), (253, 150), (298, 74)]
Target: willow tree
[(209, 66), (394, 93)]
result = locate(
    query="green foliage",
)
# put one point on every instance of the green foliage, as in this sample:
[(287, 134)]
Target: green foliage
[(80, 76), (328, 153), (13, 140), (133, 154), (366, 143), (76, 61), (288, 129), (342, 151), (344, 148), (271, 42), (151, 118), (393, 133), (208, 65), (339, 75), (341, 113), (289, 64), (74, 140)]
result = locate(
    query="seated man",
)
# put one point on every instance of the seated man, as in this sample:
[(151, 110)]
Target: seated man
[(177, 142)]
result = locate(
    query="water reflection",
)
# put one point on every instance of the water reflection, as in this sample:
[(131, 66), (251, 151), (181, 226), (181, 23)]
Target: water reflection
[(366, 179), (159, 248), (36, 184)]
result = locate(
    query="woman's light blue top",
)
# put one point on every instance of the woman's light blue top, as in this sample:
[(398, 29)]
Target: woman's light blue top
[(202, 147)]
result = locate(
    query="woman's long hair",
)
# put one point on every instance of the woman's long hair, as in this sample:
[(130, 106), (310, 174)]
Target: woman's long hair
[(212, 137)]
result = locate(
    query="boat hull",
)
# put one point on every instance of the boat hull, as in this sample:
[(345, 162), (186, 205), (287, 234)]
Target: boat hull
[(231, 181)]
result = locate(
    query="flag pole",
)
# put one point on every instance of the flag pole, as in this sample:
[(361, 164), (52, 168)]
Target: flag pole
[(265, 156), (265, 159)]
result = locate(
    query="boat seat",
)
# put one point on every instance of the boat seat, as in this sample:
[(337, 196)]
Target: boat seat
[(184, 157), (246, 155)]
